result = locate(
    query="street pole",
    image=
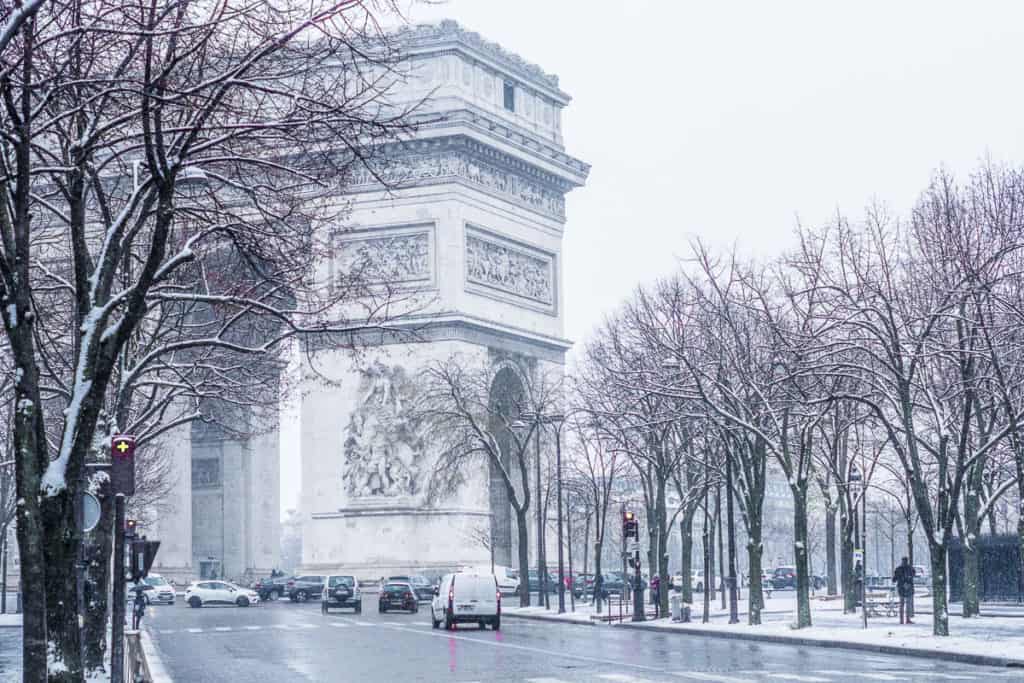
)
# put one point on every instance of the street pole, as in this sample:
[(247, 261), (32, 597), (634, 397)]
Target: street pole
[(626, 585), (568, 538), (558, 483), (864, 547), (638, 591), (117, 612), (541, 578)]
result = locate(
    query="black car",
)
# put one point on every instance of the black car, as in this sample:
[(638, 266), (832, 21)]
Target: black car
[(784, 577), (341, 591), (398, 596), (302, 588), (421, 585), (272, 588), (534, 582)]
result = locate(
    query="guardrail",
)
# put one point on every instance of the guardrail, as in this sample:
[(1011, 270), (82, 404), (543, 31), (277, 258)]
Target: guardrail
[(136, 667)]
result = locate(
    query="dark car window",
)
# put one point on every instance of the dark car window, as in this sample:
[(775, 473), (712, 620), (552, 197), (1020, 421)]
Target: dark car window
[(396, 588), (342, 581)]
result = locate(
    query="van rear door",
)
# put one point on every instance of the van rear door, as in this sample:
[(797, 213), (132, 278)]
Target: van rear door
[(476, 595)]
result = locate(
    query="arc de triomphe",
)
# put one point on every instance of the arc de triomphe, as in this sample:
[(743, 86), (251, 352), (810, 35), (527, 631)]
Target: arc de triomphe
[(478, 225)]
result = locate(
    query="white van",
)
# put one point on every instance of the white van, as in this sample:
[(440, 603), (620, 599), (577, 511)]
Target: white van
[(507, 578), (466, 597)]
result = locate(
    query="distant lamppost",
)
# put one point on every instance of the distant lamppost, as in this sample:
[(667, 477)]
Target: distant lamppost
[(855, 479)]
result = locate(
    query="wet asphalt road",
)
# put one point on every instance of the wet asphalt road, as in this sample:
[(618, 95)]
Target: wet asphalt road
[(283, 642)]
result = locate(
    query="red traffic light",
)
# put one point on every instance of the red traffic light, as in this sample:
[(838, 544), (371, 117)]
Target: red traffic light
[(122, 454)]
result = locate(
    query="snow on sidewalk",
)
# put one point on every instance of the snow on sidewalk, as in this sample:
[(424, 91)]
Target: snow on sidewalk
[(995, 637), (10, 620)]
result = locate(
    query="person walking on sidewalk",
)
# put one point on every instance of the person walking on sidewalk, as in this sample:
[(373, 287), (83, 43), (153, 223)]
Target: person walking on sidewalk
[(903, 577)]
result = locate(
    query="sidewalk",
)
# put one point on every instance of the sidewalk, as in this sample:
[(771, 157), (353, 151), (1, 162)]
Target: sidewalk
[(997, 640)]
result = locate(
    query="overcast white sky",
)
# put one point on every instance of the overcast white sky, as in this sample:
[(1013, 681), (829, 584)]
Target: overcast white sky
[(730, 120)]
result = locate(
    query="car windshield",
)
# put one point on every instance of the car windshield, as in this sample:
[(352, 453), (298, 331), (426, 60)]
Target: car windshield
[(156, 581), (420, 581), (396, 588), (342, 581)]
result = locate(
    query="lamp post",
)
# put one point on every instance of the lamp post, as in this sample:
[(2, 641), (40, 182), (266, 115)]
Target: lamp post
[(856, 478), (558, 421)]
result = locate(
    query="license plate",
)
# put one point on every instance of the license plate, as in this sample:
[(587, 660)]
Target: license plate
[(466, 608)]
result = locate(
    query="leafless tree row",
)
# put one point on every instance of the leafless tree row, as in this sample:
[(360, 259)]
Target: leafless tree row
[(882, 354)]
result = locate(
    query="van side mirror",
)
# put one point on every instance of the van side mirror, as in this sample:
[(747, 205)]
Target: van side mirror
[(437, 590)]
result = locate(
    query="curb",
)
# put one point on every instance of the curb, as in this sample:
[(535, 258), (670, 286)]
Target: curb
[(540, 617), (963, 658), (156, 666)]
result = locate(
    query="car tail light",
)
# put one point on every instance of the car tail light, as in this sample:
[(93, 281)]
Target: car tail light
[(408, 594), (497, 595), (451, 595), (291, 583)]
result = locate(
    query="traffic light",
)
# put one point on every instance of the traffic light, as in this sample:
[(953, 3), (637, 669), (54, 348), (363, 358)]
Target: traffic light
[(122, 455), (629, 525), (143, 554), (131, 529)]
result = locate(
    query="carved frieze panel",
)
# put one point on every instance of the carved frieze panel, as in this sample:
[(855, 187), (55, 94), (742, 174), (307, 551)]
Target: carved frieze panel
[(510, 267), (462, 164), (384, 452), (394, 258)]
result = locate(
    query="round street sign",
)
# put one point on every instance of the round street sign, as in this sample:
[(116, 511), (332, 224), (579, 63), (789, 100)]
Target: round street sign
[(90, 511)]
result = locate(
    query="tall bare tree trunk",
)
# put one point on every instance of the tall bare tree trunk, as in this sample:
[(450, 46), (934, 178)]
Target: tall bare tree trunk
[(524, 558), (803, 598), (830, 549)]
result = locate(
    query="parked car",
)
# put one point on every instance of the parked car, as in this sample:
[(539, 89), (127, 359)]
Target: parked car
[(613, 584), (534, 582), (201, 593), (272, 588), (922, 577), (784, 577), (465, 597), (583, 585), (302, 588), (507, 578), (398, 595), (341, 591), (421, 585)]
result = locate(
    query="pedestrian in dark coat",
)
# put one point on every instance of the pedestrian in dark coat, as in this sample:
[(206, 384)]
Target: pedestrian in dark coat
[(903, 577)]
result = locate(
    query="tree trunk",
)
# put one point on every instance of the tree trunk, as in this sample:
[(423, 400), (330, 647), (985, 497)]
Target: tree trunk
[(754, 552), (98, 578), (524, 558), (830, 550), (940, 617), (846, 564), (686, 556), (969, 543), (662, 565), (29, 530), (721, 547), (803, 598), (63, 627)]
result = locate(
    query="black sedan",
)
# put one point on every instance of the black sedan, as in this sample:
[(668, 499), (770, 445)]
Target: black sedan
[(398, 596), (421, 586)]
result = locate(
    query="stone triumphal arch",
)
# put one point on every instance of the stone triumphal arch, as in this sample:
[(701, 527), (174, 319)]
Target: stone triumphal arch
[(477, 225)]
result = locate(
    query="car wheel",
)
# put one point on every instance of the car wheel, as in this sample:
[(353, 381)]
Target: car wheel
[(324, 609), (482, 624), (359, 608), (242, 601), (381, 609), (416, 609), (448, 623), (496, 624), (194, 601), (436, 623), (274, 595), (302, 596)]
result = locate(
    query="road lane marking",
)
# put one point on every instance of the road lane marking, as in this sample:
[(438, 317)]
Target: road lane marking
[(546, 679), (222, 628), (623, 678), (194, 630), (283, 627), (714, 678), (167, 630), (557, 653), (951, 677), (307, 626), (863, 674), (253, 628), (338, 624), (363, 623), (797, 677)]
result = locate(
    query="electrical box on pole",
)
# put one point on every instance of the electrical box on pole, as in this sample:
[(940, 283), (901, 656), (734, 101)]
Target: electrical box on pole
[(122, 455)]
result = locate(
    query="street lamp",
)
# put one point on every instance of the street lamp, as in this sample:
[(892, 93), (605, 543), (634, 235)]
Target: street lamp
[(856, 478), (558, 420)]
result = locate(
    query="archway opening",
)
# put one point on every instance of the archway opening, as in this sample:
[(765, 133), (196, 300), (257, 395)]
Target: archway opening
[(506, 399)]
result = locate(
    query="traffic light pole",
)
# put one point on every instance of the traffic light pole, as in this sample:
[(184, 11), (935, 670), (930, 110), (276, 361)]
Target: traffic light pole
[(117, 611), (638, 590)]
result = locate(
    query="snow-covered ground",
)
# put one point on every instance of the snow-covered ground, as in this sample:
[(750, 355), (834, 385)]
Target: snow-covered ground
[(995, 636), (10, 620)]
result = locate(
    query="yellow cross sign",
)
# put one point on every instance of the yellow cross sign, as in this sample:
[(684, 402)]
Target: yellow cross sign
[(122, 446)]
